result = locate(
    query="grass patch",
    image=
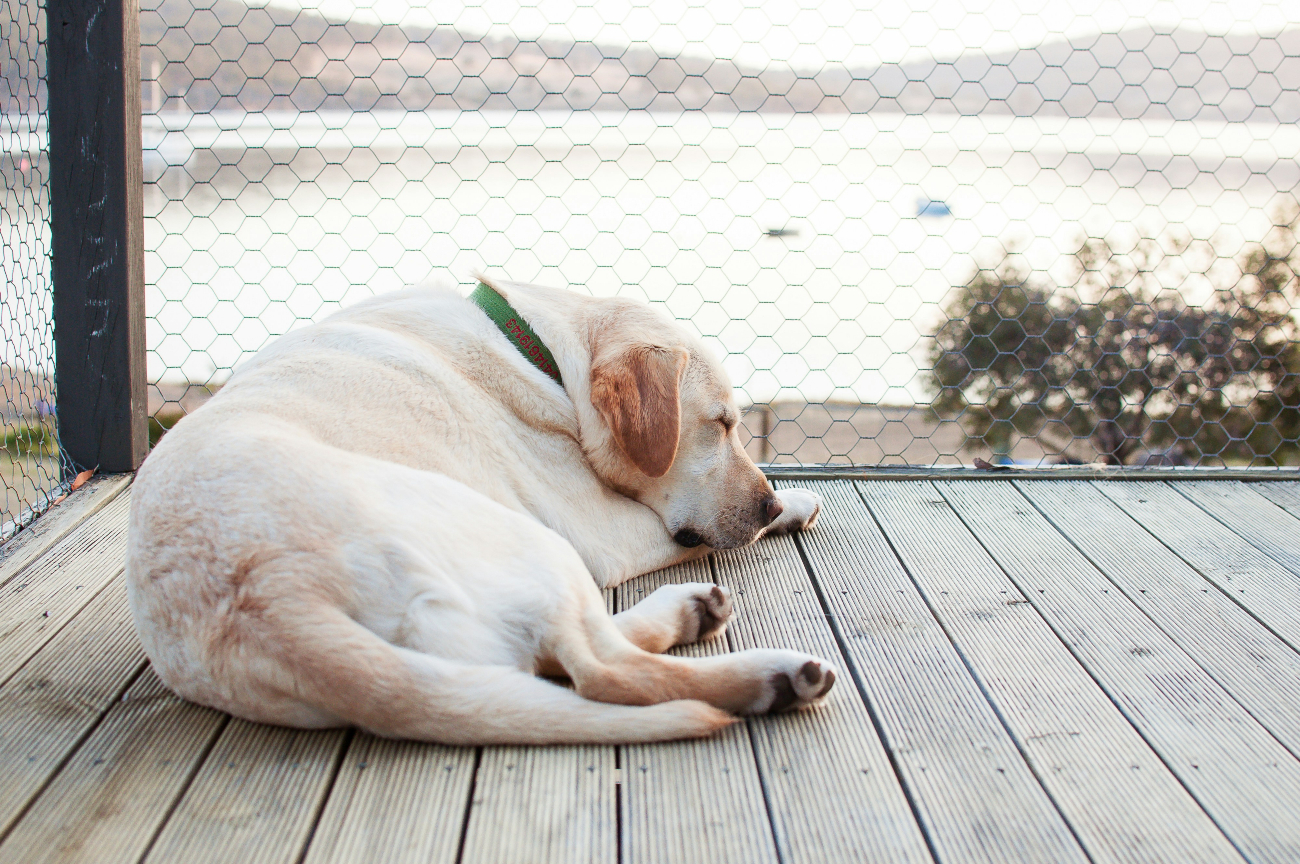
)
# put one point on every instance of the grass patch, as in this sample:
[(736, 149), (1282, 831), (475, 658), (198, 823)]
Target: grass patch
[(30, 441), (38, 440), (161, 422)]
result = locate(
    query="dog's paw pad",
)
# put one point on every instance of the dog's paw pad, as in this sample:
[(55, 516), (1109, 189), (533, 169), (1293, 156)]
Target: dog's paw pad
[(712, 611), (798, 688), (818, 678), (689, 611)]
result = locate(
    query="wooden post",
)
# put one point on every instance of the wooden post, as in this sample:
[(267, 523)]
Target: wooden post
[(768, 452), (96, 215)]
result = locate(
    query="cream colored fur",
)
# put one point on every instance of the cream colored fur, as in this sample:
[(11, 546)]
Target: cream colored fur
[(390, 519)]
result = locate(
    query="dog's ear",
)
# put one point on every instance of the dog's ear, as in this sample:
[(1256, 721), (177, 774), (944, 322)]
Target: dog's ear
[(638, 393)]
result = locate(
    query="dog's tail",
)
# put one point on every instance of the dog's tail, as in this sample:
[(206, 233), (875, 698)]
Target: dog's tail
[(338, 667)]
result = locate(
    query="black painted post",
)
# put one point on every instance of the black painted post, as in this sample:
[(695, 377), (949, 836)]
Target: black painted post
[(96, 214)]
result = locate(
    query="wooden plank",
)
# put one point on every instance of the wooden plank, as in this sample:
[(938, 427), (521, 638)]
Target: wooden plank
[(1266, 592), (97, 223), (1240, 773), (692, 801), (58, 585), (498, 803), (53, 701), (552, 804), (255, 799), (907, 473), (975, 795), (109, 801), (1203, 620), (1267, 526), (1284, 495), (832, 791), (1121, 798), (399, 802), (57, 522), (543, 804), (1081, 748)]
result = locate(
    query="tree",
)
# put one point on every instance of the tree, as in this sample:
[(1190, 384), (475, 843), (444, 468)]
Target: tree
[(1119, 358), (1265, 303)]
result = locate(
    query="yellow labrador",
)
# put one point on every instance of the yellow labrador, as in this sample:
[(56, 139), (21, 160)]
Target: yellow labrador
[(397, 517)]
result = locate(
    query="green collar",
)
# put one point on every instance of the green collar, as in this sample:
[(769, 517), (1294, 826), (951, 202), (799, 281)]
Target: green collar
[(516, 329)]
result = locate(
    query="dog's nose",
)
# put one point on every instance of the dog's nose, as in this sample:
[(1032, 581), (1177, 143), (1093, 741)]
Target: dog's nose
[(772, 508), (688, 538)]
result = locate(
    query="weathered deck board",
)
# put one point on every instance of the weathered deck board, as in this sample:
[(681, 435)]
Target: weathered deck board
[(49, 592), (49, 706), (549, 805), (398, 802), (1284, 494), (1202, 618), (978, 799), (1255, 581), (109, 801), (1267, 526), (543, 804), (255, 798), (1103, 778), (1130, 640), (1121, 798), (832, 792), (692, 801), (1239, 772), (57, 522)]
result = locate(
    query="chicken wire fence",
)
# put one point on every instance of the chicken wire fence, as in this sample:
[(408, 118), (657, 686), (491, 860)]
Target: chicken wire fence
[(914, 233), (30, 471)]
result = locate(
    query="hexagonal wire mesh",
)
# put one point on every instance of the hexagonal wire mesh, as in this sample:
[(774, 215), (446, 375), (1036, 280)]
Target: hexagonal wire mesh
[(916, 234), (30, 472)]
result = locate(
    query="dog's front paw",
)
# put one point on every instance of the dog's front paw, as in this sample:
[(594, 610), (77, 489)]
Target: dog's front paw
[(712, 611), (690, 612), (702, 609), (800, 509)]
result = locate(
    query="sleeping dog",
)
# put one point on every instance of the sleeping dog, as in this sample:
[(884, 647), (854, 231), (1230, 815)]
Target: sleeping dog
[(400, 517)]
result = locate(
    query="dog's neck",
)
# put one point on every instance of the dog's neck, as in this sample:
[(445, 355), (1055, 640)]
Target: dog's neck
[(558, 322), (569, 324), (517, 330)]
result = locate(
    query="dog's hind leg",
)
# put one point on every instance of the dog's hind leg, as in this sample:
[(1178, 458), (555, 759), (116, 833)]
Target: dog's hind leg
[(605, 665), (677, 614), (325, 664)]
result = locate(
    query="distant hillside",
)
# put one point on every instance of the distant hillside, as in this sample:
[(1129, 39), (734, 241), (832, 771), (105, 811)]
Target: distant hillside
[(233, 55), (1183, 74), (270, 58)]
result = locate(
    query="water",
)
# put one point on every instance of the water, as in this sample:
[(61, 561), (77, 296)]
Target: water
[(258, 223)]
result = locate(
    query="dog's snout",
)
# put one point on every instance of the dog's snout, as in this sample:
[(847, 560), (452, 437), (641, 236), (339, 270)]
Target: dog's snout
[(772, 508)]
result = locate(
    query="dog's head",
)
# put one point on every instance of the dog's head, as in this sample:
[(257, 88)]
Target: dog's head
[(669, 431)]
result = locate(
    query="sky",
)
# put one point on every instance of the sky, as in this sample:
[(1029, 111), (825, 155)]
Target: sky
[(809, 33)]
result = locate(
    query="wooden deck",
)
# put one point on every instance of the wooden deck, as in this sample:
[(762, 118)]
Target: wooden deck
[(1040, 670)]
